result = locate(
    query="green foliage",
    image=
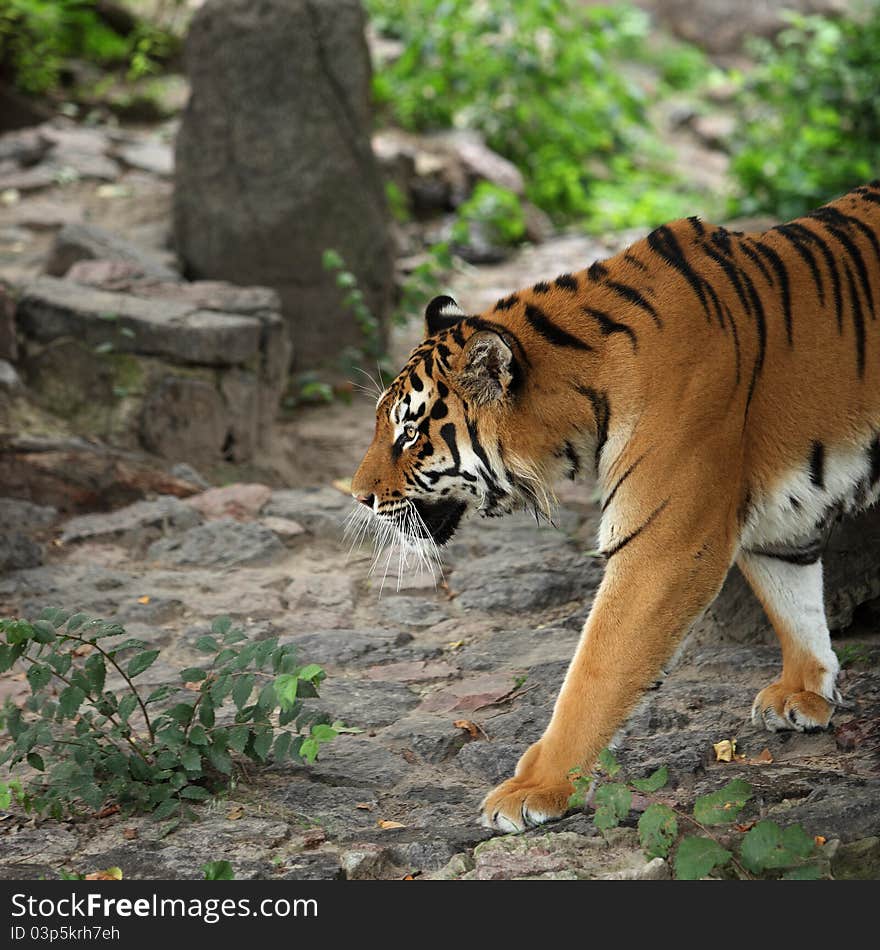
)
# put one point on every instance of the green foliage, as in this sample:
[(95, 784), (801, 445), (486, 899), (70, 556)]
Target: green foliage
[(852, 654), (697, 856), (38, 38), (542, 81), (218, 871), (809, 124), (765, 848), (149, 750), (491, 215)]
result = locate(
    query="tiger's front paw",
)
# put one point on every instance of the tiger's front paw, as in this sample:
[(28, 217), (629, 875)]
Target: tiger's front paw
[(521, 803)]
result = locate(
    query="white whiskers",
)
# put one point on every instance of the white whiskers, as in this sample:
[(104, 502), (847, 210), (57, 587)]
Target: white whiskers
[(403, 533)]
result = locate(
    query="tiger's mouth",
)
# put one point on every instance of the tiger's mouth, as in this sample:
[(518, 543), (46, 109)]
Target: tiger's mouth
[(441, 518)]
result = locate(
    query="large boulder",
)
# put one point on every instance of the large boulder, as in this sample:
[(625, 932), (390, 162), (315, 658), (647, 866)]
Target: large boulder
[(274, 164), (190, 372)]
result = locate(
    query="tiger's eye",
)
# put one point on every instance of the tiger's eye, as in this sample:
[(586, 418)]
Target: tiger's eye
[(410, 430)]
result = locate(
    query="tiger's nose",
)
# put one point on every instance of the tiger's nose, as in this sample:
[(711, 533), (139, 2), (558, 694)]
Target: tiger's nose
[(367, 500)]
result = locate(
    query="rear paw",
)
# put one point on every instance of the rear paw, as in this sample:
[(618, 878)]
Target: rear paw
[(779, 707)]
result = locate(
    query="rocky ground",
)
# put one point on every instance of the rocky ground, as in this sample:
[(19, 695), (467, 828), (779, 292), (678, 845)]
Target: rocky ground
[(448, 683)]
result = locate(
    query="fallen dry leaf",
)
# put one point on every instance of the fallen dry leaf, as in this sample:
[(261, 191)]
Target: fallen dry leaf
[(764, 758), (195, 687), (235, 813), (471, 728), (724, 750), (455, 645), (409, 756), (745, 826), (108, 874), (313, 838), (819, 839), (144, 600), (129, 833), (364, 806), (382, 823), (107, 812)]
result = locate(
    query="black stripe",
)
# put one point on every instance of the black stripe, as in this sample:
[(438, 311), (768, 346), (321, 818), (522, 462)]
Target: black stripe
[(870, 196), (733, 275), (662, 242), (574, 458), (596, 270), (832, 214), (566, 282), (635, 261), (542, 287), (506, 303), (800, 556), (807, 255), (756, 260), (623, 542), (447, 433), (480, 452), (633, 296), (608, 325), (620, 481), (874, 459), (721, 239), (779, 267), (858, 320), (830, 263), (736, 351), (551, 332), (761, 327), (817, 465), (855, 255), (697, 225), (602, 413)]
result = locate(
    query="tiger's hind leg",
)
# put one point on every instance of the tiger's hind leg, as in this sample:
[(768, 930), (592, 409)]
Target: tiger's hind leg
[(803, 698)]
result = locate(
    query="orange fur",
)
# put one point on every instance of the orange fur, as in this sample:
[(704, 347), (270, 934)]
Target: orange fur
[(726, 389)]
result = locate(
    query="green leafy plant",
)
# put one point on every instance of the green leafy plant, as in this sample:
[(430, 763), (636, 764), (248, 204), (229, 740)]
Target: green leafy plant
[(38, 38), (155, 750), (542, 81), (218, 871), (809, 114), (765, 849), (491, 215)]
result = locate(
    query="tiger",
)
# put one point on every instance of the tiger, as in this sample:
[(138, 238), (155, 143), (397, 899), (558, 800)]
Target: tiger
[(724, 389)]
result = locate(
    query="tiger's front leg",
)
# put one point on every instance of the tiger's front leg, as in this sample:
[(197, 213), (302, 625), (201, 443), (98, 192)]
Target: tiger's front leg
[(653, 590)]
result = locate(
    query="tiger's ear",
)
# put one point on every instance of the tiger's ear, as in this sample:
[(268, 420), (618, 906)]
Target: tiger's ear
[(485, 370), (442, 313)]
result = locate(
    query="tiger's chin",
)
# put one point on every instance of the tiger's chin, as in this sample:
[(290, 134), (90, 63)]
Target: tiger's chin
[(440, 518)]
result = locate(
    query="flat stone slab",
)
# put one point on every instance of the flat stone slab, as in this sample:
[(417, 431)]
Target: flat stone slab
[(50, 308)]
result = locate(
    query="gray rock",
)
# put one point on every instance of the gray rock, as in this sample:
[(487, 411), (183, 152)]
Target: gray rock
[(9, 379), (24, 146), (184, 418), (412, 611), (8, 341), (321, 511), (166, 513), (558, 856), (188, 474), (261, 209), (16, 514), (18, 551), (366, 704), (149, 155), (356, 761), (83, 242), (848, 810), (341, 646), (50, 308), (491, 761), (224, 543)]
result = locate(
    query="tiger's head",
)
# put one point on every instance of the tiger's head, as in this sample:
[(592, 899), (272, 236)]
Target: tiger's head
[(440, 426)]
